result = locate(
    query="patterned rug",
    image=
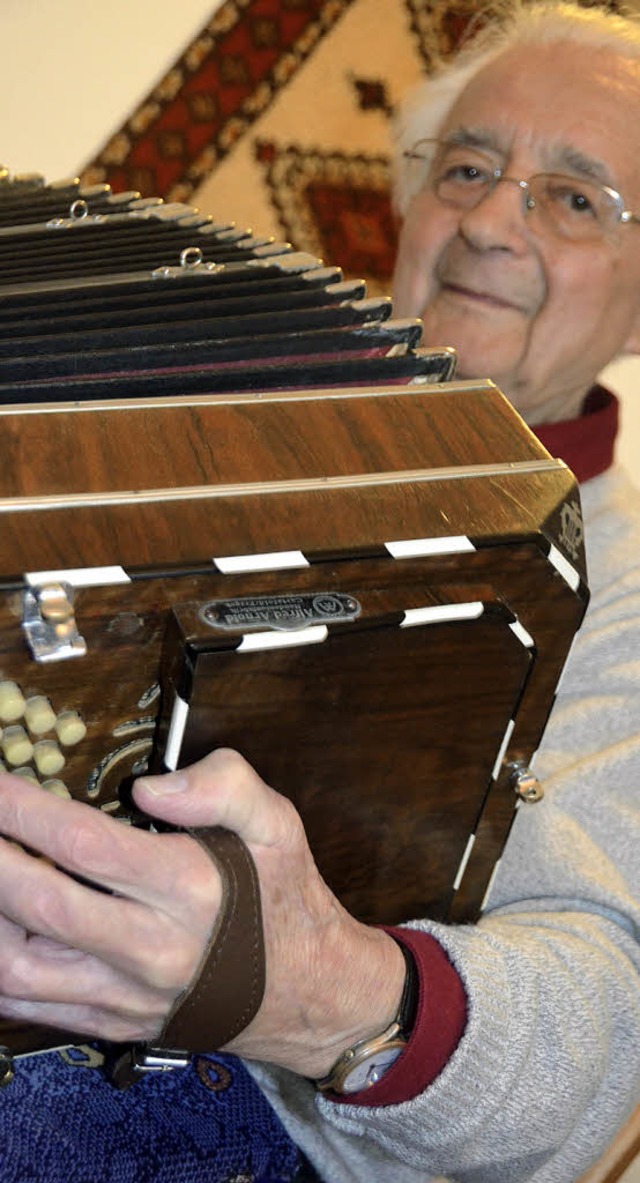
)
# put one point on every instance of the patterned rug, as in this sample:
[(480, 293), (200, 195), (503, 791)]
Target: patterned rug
[(277, 117)]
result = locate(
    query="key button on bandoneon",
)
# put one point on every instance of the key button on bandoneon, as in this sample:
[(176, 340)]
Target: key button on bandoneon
[(16, 745), (48, 758), (39, 715), (11, 702), (70, 728)]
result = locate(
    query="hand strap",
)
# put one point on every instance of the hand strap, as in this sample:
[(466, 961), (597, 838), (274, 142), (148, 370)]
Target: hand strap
[(229, 983)]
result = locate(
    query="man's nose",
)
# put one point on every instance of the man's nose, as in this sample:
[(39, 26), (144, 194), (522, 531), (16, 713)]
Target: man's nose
[(499, 220)]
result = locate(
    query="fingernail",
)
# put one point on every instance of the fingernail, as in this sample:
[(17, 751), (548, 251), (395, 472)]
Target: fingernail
[(169, 782)]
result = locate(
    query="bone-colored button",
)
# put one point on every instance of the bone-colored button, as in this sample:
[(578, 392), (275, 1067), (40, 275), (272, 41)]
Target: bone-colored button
[(39, 714), (70, 727), (47, 757), (16, 745), (26, 773), (11, 702), (57, 787)]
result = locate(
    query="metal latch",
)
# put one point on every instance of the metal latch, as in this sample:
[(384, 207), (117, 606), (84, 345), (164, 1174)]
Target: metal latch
[(151, 1059), (7, 1071), (49, 623), (527, 786)]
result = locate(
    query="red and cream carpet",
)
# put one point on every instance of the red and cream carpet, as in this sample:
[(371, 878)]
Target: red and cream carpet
[(277, 117)]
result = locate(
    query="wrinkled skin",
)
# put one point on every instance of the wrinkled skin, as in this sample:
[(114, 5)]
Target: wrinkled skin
[(539, 315), (111, 965)]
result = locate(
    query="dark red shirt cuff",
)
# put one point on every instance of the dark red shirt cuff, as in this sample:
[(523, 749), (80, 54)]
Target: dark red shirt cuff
[(440, 1022)]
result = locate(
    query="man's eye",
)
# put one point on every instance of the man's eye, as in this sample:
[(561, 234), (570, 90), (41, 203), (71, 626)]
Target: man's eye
[(465, 174), (579, 203), (573, 201)]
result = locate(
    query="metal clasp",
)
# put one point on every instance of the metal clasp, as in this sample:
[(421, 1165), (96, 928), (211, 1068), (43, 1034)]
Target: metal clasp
[(150, 1059), (527, 786), (49, 623), (7, 1071)]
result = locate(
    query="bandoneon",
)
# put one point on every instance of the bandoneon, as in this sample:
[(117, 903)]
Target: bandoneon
[(241, 506)]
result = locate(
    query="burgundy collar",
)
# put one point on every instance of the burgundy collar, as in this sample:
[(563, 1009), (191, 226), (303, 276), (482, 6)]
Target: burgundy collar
[(586, 444)]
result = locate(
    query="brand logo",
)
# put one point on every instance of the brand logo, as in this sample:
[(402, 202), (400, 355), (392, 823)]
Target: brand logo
[(279, 612), (571, 529)]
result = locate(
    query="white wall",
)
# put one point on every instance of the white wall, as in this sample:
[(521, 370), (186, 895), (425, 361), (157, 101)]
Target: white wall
[(72, 71)]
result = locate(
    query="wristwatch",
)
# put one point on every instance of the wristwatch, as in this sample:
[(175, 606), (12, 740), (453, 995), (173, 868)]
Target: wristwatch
[(366, 1062)]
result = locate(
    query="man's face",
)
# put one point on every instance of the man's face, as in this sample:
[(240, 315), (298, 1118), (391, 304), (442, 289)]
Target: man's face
[(537, 313)]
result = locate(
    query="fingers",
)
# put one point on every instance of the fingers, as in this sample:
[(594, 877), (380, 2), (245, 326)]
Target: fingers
[(83, 840), (151, 947), (81, 1019), (222, 789), (166, 891), (111, 962), (36, 971), (156, 870), (137, 946)]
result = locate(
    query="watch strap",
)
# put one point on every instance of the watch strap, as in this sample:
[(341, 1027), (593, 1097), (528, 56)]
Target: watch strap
[(408, 1009)]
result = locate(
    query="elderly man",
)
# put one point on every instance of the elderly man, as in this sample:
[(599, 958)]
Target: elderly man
[(519, 1041)]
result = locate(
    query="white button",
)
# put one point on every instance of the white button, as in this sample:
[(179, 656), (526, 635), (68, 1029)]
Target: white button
[(39, 714), (11, 702), (70, 728), (48, 758), (16, 745)]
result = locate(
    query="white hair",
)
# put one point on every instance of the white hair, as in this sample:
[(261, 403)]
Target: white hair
[(506, 25)]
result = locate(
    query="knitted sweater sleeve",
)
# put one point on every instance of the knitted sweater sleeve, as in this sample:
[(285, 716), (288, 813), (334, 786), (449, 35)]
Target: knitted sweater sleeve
[(549, 1064)]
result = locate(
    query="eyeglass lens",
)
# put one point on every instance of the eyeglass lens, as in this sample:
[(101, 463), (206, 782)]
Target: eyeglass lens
[(572, 207)]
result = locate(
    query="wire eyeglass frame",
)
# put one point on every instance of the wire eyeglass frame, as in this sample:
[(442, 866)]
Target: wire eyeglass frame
[(462, 176)]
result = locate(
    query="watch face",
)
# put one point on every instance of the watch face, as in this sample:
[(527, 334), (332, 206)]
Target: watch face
[(370, 1070)]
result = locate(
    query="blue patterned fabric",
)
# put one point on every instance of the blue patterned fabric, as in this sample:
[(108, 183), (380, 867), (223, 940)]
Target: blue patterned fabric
[(62, 1122)]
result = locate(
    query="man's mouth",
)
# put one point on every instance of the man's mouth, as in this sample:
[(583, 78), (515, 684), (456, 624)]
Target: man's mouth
[(479, 296)]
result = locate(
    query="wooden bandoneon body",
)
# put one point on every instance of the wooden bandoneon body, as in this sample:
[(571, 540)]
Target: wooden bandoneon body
[(368, 589)]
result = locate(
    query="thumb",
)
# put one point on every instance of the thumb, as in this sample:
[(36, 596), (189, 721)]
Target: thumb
[(220, 790)]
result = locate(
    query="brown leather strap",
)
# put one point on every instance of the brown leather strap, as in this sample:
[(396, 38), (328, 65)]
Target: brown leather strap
[(229, 984)]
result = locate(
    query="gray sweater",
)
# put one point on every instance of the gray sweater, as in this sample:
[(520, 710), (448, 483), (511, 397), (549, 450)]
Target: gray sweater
[(549, 1065)]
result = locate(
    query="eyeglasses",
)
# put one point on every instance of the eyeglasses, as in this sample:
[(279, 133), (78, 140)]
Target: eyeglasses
[(573, 208)]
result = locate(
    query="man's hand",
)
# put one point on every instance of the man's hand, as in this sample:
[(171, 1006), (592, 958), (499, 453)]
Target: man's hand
[(72, 957), (111, 965)]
